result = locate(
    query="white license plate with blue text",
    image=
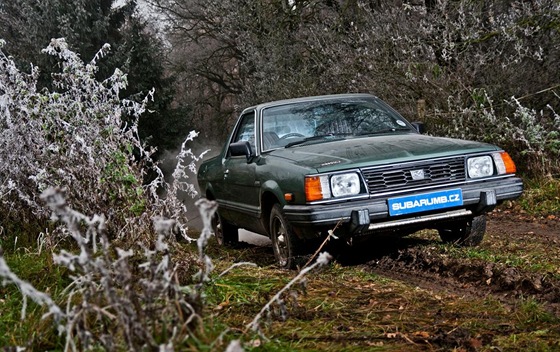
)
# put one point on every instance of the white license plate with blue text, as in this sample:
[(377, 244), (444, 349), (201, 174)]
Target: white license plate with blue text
[(425, 202)]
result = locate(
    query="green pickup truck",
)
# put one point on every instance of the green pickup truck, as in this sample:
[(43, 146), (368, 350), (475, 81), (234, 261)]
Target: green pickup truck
[(294, 169)]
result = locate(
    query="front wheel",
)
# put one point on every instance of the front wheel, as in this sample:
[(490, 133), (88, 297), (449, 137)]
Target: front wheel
[(286, 245), (466, 232), (226, 233)]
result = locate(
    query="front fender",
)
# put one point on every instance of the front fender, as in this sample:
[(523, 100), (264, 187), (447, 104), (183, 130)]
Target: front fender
[(271, 194), (272, 187)]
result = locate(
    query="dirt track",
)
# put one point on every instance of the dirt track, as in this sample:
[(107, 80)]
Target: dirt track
[(512, 279), (415, 261)]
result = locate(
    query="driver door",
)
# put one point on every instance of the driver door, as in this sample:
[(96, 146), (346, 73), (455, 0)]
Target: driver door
[(239, 176)]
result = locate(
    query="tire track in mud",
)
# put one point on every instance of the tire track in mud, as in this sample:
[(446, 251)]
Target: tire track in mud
[(416, 262), (463, 277)]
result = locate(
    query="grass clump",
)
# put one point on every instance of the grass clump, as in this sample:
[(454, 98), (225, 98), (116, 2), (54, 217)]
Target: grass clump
[(239, 289), (33, 330), (541, 197)]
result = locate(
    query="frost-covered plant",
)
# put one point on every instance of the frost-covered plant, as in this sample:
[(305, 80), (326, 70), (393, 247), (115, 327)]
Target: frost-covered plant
[(118, 297), (171, 204), (82, 137), (75, 137), (539, 134), (81, 140), (533, 137), (124, 294)]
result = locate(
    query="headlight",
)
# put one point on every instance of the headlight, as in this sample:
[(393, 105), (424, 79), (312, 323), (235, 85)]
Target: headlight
[(345, 185), (480, 166), (325, 186)]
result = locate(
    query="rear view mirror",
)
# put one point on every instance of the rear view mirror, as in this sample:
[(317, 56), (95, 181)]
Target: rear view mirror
[(241, 148), (418, 126)]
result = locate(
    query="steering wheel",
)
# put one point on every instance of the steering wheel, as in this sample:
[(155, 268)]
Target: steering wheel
[(292, 134)]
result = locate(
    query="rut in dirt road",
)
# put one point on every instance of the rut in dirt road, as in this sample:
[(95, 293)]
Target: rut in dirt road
[(426, 263)]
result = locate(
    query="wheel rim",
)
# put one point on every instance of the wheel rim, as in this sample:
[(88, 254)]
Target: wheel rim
[(280, 241)]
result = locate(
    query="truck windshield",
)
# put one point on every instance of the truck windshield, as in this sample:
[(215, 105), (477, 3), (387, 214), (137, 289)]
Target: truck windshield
[(293, 124)]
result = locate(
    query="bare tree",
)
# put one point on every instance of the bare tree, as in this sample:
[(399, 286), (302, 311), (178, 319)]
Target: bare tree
[(450, 53)]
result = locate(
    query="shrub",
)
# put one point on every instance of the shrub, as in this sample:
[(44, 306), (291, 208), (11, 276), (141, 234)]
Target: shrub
[(532, 137), (72, 137), (72, 146)]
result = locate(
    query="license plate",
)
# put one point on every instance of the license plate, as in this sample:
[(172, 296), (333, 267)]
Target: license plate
[(425, 202)]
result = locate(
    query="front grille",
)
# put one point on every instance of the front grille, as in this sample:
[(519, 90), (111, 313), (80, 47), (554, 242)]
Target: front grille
[(400, 176)]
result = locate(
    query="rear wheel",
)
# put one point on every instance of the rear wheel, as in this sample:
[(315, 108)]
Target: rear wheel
[(226, 233), (465, 232), (286, 245)]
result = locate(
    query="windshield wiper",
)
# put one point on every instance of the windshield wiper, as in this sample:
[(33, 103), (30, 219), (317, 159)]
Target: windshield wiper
[(329, 137), (387, 130)]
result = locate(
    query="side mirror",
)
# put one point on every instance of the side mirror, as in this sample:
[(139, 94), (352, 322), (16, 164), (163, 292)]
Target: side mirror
[(419, 126), (241, 148)]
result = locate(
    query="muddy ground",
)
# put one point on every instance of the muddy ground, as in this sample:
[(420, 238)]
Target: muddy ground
[(518, 261), (412, 261)]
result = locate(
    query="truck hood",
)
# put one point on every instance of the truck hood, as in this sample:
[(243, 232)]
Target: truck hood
[(376, 150)]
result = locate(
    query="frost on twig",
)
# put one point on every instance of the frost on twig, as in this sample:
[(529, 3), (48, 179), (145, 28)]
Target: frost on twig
[(179, 174), (330, 236), (207, 208), (73, 136), (171, 205)]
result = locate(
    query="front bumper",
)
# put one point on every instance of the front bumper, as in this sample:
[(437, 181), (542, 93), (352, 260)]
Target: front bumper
[(373, 213)]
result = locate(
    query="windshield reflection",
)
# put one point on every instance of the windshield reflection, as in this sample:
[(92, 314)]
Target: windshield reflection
[(317, 121)]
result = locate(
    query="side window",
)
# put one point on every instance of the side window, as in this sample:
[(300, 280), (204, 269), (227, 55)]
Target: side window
[(246, 130)]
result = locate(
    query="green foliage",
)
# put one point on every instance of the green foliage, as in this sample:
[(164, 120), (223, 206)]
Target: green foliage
[(531, 311), (48, 277), (123, 184), (541, 196), (239, 289)]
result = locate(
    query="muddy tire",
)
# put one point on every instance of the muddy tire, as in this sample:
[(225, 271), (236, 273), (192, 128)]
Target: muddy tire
[(226, 233), (466, 232), (287, 247)]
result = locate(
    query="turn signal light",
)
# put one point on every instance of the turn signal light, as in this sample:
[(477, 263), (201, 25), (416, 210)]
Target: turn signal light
[(313, 189), (508, 163), (504, 163)]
